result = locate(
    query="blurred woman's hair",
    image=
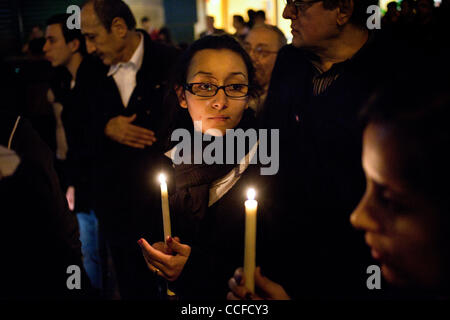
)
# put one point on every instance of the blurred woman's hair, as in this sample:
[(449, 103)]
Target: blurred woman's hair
[(417, 109)]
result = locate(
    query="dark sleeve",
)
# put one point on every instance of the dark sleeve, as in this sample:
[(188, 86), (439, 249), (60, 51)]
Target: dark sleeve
[(197, 268), (56, 228)]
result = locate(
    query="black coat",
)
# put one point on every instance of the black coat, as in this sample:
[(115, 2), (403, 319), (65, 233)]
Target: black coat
[(320, 174), (217, 236), (127, 190), (39, 237), (78, 169)]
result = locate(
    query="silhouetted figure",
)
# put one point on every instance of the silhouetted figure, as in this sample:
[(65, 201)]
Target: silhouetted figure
[(240, 26), (392, 15)]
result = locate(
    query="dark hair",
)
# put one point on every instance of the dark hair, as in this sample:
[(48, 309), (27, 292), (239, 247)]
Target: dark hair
[(178, 117), (239, 18), (107, 10), (216, 42), (392, 4), (261, 14), (145, 19), (69, 34), (418, 112), (359, 15)]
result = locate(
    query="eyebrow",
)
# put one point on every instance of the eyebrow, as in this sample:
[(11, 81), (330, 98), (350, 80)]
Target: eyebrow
[(203, 72), (229, 76), (232, 74), (387, 188)]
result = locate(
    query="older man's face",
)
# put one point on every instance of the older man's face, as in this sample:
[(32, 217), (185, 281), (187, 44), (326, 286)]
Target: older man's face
[(262, 45), (312, 25), (106, 45)]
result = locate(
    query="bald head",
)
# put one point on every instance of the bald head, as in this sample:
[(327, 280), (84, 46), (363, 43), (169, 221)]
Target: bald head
[(107, 26), (263, 43)]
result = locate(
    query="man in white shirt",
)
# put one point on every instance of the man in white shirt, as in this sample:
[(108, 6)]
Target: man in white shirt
[(128, 116)]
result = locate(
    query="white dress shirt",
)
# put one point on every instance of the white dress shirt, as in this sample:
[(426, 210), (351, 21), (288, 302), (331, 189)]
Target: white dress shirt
[(124, 73)]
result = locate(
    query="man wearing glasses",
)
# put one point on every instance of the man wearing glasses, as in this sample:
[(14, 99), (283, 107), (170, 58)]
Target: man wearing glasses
[(318, 86), (263, 43)]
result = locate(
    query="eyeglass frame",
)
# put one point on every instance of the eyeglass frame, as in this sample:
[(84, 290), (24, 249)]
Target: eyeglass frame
[(251, 49), (188, 87), (298, 3)]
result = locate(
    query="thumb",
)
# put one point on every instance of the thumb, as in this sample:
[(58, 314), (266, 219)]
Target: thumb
[(178, 247), (130, 118)]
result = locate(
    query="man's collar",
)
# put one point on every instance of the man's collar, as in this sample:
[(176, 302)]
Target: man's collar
[(135, 61), (339, 66)]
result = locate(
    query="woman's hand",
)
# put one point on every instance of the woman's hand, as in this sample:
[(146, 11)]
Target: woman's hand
[(268, 289), (166, 261)]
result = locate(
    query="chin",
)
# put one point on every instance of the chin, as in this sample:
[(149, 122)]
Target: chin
[(216, 132), (393, 277)]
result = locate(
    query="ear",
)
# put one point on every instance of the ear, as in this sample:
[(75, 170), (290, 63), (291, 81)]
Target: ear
[(74, 45), (181, 96), (119, 27), (345, 11)]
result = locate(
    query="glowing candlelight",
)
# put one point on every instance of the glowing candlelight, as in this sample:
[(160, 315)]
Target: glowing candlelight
[(251, 206), (165, 206)]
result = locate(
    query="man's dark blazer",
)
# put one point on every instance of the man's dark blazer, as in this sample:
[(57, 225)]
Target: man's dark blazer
[(320, 166), (127, 190), (77, 170)]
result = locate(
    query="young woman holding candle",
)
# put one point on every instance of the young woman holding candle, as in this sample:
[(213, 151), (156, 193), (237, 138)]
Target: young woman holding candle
[(405, 211), (213, 84)]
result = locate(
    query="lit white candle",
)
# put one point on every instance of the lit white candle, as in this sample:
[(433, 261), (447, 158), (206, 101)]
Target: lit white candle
[(251, 206), (165, 206)]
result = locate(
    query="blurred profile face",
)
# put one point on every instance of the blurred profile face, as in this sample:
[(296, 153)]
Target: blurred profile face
[(56, 50), (236, 24), (146, 25), (424, 7), (262, 45), (312, 25), (218, 67), (36, 33), (108, 46), (401, 224), (210, 22)]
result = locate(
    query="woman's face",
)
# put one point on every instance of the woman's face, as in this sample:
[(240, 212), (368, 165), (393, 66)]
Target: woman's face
[(218, 67), (401, 224)]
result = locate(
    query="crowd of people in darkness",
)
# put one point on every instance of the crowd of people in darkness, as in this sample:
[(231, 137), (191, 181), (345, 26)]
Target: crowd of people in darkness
[(361, 120)]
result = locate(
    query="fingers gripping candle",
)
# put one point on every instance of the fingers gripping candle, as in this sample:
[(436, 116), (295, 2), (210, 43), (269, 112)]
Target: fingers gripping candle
[(251, 206), (165, 206)]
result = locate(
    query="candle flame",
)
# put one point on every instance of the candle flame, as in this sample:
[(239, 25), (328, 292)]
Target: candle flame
[(251, 194), (162, 178)]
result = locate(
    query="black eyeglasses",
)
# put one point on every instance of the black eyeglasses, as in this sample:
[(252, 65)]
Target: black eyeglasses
[(206, 90), (300, 5)]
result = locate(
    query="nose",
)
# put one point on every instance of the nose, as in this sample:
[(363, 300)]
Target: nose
[(220, 101), (253, 55), (364, 217), (90, 47), (289, 12), (46, 47)]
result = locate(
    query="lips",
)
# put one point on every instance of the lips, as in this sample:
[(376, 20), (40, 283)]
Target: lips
[(219, 118), (377, 253)]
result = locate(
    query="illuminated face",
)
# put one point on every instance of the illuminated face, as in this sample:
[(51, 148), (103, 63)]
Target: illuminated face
[(108, 46), (217, 67), (56, 50), (263, 46), (401, 224), (312, 25)]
